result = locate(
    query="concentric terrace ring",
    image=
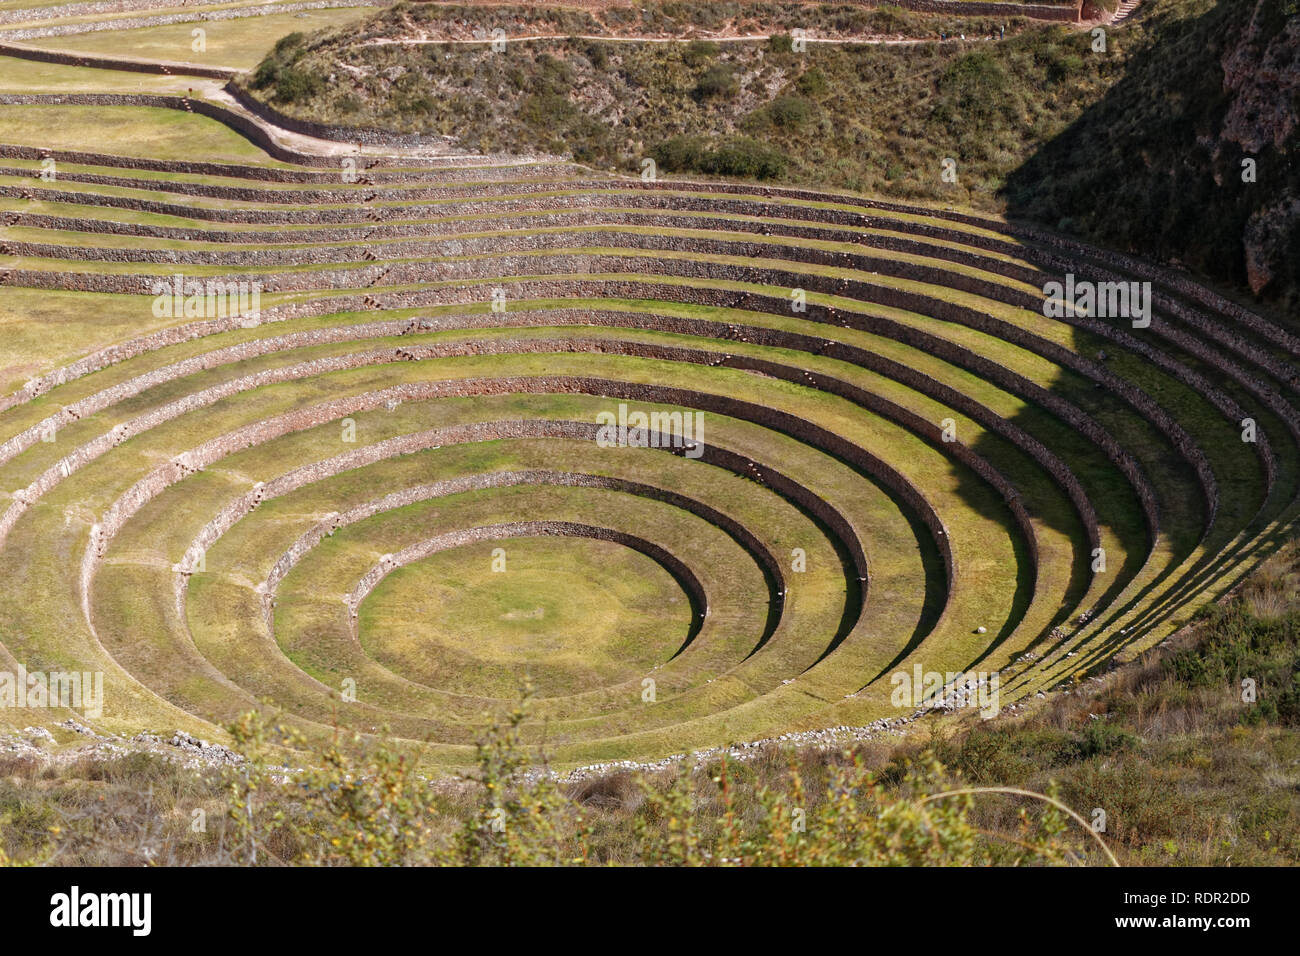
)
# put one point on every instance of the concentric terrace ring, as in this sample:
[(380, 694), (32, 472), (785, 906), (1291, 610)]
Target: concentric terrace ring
[(896, 459)]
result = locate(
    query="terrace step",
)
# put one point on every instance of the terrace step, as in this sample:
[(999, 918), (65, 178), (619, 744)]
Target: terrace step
[(824, 431)]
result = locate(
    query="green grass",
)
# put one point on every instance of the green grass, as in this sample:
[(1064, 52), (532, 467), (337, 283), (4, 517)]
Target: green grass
[(44, 330), (263, 406), (327, 436), (141, 131), (239, 44), (31, 76), (443, 623), (1186, 772), (876, 386)]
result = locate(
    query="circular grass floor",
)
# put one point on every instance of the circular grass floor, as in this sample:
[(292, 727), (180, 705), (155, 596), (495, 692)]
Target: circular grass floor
[(564, 614)]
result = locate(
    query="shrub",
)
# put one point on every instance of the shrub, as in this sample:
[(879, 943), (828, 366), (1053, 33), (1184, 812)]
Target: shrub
[(1062, 66), (552, 75), (736, 156), (289, 43), (679, 154), (292, 85), (597, 55), (545, 111), (973, 88), (788, 112), (698, 52), (718, 82), (813, 83), (287, 51), (745, 157), (1102, 739)]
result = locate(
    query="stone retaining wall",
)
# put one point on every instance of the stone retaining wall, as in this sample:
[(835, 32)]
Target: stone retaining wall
[(112, 63), (766, 337), (841, 531), (345, 134), (419, 239), (261, 432), (1065, 13), (858, 290), (762, 557), (666, 238), (369, 166), (993, 372)]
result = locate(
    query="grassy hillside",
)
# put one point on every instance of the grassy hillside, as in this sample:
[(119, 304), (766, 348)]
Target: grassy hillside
[(288, 532), (1139, 146), (873, 118)]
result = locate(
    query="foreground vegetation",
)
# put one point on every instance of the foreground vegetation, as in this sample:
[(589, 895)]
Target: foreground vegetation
[(1171, 756)]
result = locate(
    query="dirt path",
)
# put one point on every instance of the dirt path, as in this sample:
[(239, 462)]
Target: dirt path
[(745, 38), (215, 92)]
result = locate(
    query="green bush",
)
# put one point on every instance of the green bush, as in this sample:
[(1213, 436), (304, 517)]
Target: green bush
[(741, 156), (598, 55), (551, 75), (734, 156), (293, 84), (718, 82), (813, 83), (288, 43), (1101, 739), (287, 51), (788, 112), (416, 103), (698, 52), (679, 154), (974, 88), (1061, 66)]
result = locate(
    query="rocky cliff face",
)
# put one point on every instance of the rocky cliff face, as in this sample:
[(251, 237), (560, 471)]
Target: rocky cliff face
[(1191, 155), (1261, 76)]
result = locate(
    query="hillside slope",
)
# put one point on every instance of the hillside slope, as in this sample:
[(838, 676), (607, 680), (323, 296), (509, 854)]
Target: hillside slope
[(1156, 165), (1139, 146)]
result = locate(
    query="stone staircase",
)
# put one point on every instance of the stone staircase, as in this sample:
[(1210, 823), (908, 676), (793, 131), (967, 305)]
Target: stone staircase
[(1125, 10)]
